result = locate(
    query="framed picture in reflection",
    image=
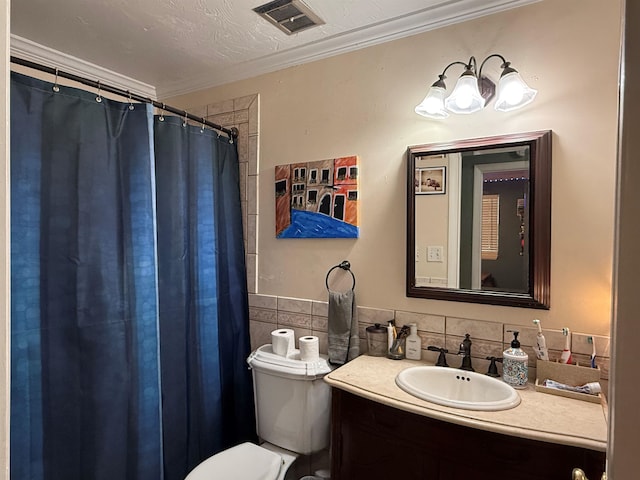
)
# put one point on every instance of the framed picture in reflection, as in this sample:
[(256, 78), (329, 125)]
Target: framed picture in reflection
[(430, 181)]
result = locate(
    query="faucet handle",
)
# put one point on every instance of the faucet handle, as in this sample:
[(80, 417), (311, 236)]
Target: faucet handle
[(442, 358), (493, 368), (465, 345)]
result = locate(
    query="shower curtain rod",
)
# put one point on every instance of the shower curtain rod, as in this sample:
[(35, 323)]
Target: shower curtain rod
[(231, 132)]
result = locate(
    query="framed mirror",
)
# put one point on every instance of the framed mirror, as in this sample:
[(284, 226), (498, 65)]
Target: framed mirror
[(479, 220)]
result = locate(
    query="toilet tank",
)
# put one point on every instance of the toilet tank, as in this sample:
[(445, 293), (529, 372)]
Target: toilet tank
[(292, 400)]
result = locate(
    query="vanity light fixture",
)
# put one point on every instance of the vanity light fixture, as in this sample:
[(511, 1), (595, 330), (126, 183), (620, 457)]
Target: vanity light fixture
[(470, 94)]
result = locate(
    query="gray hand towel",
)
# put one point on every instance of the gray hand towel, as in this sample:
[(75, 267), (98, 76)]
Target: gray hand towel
[(344, 343)]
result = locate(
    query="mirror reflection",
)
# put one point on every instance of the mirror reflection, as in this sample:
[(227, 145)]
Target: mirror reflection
[(470, 234)]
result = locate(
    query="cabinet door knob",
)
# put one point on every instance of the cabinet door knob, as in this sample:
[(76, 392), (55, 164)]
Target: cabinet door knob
[(579, 475)]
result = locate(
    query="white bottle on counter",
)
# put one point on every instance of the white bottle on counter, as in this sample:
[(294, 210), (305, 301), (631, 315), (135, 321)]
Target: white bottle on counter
[(414, 344), (515, 364)]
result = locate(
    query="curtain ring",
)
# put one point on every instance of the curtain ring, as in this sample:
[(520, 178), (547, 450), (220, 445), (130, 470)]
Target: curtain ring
[(131, 107), (184, 123), (202, 128), (56, 88), (161, 118), (99, 97)]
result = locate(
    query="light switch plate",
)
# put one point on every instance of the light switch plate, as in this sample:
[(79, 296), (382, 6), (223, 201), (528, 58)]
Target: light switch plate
[(435, 253)]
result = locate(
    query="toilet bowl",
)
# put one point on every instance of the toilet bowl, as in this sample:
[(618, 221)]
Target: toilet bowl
[(292, 418), (246, 461)]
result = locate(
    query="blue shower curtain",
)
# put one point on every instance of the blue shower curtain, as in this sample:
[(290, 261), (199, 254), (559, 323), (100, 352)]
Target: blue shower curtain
[(128, 335), (206, 405)]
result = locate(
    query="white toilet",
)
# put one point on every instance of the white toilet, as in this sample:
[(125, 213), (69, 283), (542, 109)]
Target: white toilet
[(292, 418)]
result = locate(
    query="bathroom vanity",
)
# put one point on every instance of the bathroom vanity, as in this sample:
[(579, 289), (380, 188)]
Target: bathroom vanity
[(381, 432)]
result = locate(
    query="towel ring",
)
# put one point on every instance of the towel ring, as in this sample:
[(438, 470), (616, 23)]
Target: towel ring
[(344, 265)]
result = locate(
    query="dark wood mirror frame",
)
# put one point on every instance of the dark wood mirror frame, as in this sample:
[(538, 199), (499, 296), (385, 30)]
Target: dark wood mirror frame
[(539, 222)]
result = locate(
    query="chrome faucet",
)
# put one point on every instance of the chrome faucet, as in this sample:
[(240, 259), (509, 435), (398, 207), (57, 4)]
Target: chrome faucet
[(465, 349)]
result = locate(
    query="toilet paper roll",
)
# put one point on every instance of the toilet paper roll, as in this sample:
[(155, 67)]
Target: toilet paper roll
[(309, 348), (282, 341)]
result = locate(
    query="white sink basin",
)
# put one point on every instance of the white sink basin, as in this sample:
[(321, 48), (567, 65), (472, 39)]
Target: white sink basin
[(457, 388)]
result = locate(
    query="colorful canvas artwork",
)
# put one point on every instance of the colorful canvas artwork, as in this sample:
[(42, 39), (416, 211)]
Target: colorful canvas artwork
[(317, 199)]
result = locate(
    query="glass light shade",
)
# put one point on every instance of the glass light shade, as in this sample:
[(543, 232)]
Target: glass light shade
[(513, 93), (466, 97), (433, 104)]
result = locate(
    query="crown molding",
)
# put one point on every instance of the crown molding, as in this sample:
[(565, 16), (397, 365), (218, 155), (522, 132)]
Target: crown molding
[(431, 18), (32, 51)]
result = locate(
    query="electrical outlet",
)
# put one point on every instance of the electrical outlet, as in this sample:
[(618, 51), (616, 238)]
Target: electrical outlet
[(435, 254), (417, 254)]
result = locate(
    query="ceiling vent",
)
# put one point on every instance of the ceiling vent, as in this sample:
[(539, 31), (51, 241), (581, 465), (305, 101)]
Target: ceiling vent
[(290, 16)]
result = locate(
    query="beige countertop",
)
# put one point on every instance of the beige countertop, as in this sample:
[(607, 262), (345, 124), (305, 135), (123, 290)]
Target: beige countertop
[(540, 416)]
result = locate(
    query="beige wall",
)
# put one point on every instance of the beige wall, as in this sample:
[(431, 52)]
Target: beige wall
[(362, 103)]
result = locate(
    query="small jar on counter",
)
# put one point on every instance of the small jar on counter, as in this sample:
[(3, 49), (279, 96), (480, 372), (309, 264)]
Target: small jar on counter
[(377, 342)]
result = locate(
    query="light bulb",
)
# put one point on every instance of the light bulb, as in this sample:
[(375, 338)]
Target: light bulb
[(432, 105), (464, 98), (513, 93)]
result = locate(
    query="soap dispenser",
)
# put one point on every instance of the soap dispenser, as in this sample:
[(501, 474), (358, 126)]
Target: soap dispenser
[(414, 343), (515, 370)]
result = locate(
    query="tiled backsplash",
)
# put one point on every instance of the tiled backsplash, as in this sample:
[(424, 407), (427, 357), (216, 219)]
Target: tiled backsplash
[(309, 317)]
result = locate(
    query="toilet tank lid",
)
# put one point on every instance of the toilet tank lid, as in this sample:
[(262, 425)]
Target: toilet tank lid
[(246, 461), (291, 366)]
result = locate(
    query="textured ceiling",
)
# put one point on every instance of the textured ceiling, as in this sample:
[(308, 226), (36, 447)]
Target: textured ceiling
[(183, 45)]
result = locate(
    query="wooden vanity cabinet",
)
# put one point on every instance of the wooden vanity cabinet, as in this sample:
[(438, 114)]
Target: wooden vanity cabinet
[(371, 441)]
